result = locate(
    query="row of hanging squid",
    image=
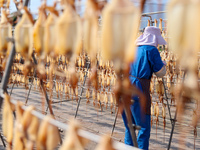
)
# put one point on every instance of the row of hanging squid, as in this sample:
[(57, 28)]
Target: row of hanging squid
[(67, 35), (26, 131)]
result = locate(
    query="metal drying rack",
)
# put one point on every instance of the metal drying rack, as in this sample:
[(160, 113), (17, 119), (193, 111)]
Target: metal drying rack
[(82, 133), (5, 81)]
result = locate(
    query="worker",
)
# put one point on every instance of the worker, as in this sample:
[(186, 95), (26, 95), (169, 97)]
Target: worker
[(147, 62)]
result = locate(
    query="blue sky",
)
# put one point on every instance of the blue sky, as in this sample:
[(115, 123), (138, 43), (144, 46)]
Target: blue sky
[(36, 3), (33, 5), (151, 6)]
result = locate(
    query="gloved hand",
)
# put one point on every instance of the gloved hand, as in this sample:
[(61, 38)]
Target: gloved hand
[(164, 63)]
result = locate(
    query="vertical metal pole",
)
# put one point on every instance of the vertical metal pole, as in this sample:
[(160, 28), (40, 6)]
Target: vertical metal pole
[(53, 82), (131, 129), (4, 144), (43, 89), (82, 90), (12, 88), (174, 121), (167, 100), (172, 131), (30, 87), (46, 97), (48, 102), (6, 74), (5, 79), (115, 121)]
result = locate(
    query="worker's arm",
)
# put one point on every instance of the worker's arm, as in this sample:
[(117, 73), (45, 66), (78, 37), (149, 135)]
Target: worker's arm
[(157, 65), (161, 72)]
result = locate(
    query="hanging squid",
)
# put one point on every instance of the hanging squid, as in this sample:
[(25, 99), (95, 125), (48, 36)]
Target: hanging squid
[(120, 22)]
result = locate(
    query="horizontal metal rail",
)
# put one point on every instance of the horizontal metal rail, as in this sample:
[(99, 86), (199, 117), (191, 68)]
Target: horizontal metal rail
[(82, 133)]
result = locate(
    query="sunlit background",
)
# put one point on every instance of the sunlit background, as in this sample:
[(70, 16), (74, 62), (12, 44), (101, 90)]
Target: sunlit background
[(150, 6)]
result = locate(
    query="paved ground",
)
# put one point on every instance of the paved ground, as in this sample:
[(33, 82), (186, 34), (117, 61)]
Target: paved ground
[(101, 122)]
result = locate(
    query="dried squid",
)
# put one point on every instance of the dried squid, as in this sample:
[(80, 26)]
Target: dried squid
[(49, 31), (32, 132), (184, 30), (23, 34), (68, 31), (120, 21), (25, 123), (90, 28), (38, 31), (72, 140), (48, 135), (105, 144), (8, 119), (5, 32), (7, 2), (18, 135)]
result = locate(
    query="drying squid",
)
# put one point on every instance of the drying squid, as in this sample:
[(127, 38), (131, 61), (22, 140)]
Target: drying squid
[(155, 21), (164, 114), (25, 123), (105, 143), (66, 90), (79, 62), (23, 34), (48, 135), (106, 99), (93, 96), (17, 141), (157, 112), (160, 24), (5, 32), (2, 2), (73, 78), (120, 22), (72, 94), (98, 97), (68, 31), (90, 28), (59, 86), (102, 100), (152, 87), (160, 88), (88, 95), (184, 31), (108, 81), (148, 24), (8, 119), (32, 132), (72, 140), (38, 31), (76, 92), (38, 83), (94, 78), (168, 82), (49, 31), (157, 88), (83, 62), (152, 109)]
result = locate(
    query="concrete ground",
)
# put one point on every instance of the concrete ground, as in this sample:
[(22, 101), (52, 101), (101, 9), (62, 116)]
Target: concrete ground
[(100, 122)]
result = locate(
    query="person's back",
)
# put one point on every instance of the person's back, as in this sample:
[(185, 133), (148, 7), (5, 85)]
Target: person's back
[(147, 62)]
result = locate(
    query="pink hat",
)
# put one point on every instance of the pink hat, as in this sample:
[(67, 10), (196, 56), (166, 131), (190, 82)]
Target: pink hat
[(151, 36)]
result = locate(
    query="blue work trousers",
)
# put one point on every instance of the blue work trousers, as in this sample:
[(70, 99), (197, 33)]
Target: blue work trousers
[(144, 121)]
